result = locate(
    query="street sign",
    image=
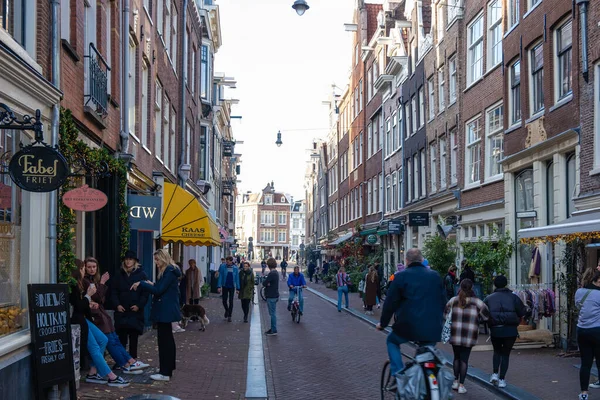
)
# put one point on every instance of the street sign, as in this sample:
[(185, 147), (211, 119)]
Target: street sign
[(418, 219), (38, 169), (395, 227)]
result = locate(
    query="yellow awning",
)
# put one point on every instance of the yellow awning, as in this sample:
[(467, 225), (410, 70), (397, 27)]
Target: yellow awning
[(185, 220)]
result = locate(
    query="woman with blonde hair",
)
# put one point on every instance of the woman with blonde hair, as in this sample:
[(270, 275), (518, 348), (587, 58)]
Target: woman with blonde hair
[(165, 310)]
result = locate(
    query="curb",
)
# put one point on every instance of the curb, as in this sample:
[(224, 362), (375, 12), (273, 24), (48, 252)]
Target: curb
[(475, 374)]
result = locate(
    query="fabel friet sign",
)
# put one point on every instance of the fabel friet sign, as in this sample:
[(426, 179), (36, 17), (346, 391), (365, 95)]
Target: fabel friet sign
[(38, 169)]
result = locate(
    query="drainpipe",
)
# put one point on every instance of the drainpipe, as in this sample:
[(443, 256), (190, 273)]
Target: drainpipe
[(125, 70), (583, 4), (184, 169)]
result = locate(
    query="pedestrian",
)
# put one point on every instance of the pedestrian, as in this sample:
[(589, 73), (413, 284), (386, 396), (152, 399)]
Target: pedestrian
[(263, 266), (283, 266), (271, 284), (317, 273), (246, 293), (311, 270), (466, 312), (123, 360), (129, 312), (325, 268), (379, 268), (371, 289), (165, 310), (93, 341), (342, 280), (228, 285), (450, 280), (175, 326), (466, 271), (506, 311), (296, 280), (193, 283), (587, 299)]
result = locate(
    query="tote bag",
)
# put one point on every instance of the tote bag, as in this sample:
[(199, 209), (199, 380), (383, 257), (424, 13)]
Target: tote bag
[(447, 330)]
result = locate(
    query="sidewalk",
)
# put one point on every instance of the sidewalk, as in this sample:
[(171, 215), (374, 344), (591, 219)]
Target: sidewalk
[(210, 364), (540, 372)]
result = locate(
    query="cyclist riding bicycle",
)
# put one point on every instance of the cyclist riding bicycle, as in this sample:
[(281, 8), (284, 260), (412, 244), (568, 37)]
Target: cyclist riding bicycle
[(295, 281), (417, 298)]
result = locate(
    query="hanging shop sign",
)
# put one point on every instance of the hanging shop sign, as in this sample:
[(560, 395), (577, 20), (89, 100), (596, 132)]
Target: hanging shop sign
[(50, 328), (372, 239), (395, 227), (418, 219), (38, 169), (85, 198), (144, 212)]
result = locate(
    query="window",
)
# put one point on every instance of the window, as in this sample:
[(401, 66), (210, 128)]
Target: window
[(203, 166), (360, 95), (409, 130), (473, 152), (513, 12), (388, 138), (381, 192), (165, 136), (413, 105), (204, 73), (571, 184), (375, 124), (564, 42), (296, 239), (172, 140), (452, 73), (281, 236), (131, 82), (536, 87), (514, 95), (369, 84), (442, 162), (494, 33), (454, 8), (160, 16), (158, 120), (433, 167), (431, 90), (369, 140), (395, 132), (453, 157), (441, 89), (399, 191), (144, 105), (423, 174), (421, 107), (394, 191), (375, 195), (475, 50), (388, 193), (192, 74), (369, 197), (495, 141), (267, 217), (550, 193), (375, 72), (440, 22), (356, 103), (282, 218), (360, 148), (532, 3), (174, 36), (267, 235), (268, 199), (416, 176), (65, 20), (188, 142), (409, 180)]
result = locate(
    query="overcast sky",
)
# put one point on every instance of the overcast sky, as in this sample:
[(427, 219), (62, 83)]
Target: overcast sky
[(284, 65)]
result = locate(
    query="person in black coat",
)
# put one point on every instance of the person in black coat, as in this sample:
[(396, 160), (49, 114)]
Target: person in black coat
[(129, 310), (467, 272), (506, 310)]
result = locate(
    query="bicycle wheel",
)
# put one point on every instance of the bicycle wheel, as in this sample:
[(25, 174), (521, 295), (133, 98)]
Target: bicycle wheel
[(262, 294), (298, 316), (294, 315), (388, 384)]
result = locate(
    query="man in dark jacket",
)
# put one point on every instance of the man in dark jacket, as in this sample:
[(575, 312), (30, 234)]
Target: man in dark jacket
[(311, 270), (417, 297), (467, 272), (271, 284)]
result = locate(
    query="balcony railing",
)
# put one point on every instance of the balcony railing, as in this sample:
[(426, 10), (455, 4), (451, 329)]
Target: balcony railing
[(97, 81)]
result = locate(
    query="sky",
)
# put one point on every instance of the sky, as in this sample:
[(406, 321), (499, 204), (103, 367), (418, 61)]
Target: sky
[(284, 65)]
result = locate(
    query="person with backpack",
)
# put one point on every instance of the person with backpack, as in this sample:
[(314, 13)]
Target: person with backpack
[(506, 311)]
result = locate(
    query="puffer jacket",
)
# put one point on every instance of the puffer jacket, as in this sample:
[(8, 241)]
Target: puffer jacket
[(122, 295), (506, 310)]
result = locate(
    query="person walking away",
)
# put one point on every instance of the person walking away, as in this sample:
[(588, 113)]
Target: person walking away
[(449, 281), (283, 266), (296, 280), (587, 299), (263, 266), (379, 268), (342, 280), (193, 278), (325, 268), (417, 299), (467, 310), (123, 360), (506, 311), (466, 272), (371, 289), (228, 285), (165, 310), (271, 284), (93, 341), (129, 312), (311, 270), (246, 293)]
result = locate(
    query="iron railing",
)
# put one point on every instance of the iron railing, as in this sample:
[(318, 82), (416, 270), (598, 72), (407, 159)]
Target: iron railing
[(97, 81)]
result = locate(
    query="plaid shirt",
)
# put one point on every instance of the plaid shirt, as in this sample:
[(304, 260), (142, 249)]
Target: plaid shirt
[(465, 321)]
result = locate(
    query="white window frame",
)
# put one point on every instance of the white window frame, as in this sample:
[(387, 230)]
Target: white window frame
[(413, 107), (388, 137), (559, 55), (431, 90), (145, 100), (443, 161), (493, 133), (475, 49), (514, 102), (408, 120), (495, 33), (370, 197), (441, 28), (535, 81), (473, 151), (172, 138), (375, 195), (281, 218), (158, 123), (369, 140), (394, 190), (531, 4), (513, 12), (452, 84), (131, 82), (409, 180), (416, 176), (454, 10), (369, 84), (395, 135), (421, 107), (453, 156), (433, 167), (423, 159), (360, 95), (441, 89)]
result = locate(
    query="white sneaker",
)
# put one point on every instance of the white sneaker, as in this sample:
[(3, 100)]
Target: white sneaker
[(138, 365), (462, 389), (159, 377), (494, 379), (501, 383), (595, 385), (178, 330), (455, 385)]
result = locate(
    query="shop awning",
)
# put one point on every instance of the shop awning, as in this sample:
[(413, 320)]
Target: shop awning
[(185, 220), (341, 239), (576, 225)]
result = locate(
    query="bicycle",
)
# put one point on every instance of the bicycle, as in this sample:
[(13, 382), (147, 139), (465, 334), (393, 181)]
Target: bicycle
[(296, 305)]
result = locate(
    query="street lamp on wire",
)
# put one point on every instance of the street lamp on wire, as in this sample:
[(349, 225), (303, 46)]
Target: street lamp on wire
[(278, 142), (300, 6)]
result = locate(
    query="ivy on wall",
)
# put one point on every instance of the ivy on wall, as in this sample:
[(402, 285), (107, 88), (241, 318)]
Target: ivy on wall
[(96, 160)]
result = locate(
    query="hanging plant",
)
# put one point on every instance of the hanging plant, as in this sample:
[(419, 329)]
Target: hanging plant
[(97, 161)]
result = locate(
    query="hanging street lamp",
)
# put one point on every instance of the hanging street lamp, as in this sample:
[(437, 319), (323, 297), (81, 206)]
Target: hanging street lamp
[(300, 6), (279, 142)]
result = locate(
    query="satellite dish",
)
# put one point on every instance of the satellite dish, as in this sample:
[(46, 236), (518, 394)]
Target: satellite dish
[(445, 230)]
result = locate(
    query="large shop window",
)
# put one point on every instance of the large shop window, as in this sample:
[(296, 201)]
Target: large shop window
[(525, 219), (13, 275)]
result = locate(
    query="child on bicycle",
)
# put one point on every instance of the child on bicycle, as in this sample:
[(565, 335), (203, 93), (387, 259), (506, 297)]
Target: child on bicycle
[(295, 281)]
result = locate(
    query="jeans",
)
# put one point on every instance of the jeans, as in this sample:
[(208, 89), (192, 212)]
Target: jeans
[(166, 348), (502, 348), (116, 349), (132, 335), (96, 345), (344, 290), (300, 299), (272, 305), (393, 343), (227, 293), (589, 348)]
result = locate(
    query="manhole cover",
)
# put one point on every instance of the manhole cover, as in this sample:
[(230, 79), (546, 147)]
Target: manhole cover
[(151, 397)]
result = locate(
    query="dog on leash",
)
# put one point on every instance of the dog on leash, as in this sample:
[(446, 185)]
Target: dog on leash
[(194, 310)]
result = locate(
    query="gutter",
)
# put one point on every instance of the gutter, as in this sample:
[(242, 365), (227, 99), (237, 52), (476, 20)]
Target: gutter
[(583, 21), (124, 87), (184, 168)]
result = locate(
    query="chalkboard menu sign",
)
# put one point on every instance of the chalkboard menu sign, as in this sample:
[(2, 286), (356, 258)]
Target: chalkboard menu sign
[(50, 328)]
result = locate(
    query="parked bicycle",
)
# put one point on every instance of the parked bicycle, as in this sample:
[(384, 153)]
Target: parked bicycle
[(295, 310)]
